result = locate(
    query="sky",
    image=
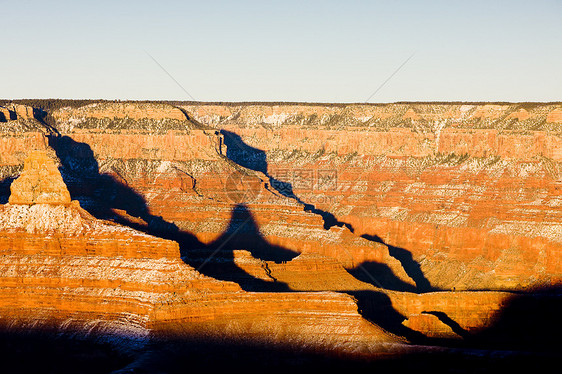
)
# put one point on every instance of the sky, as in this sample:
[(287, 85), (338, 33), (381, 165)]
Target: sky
[(291, 51)]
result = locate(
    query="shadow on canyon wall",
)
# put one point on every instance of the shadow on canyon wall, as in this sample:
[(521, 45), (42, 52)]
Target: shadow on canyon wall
[(101, 194), (5, 189), (411, 267), (528, 323), (104, 195), (242, 233), (375, 273), (256, 159), (381, 275), (39, 351), (525, 338)]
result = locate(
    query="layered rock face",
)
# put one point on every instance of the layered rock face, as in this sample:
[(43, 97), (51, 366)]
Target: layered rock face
[(182, 173), (16, 112), (63, 269), (471, 191), (188, 218)]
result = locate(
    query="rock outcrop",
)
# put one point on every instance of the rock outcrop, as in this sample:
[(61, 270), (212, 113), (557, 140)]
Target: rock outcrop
[(39, 183), (16, 112)]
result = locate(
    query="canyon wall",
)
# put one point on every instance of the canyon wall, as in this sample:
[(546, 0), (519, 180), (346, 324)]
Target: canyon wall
[(472, 191), (335, 226), (463, 196), (64, 270)]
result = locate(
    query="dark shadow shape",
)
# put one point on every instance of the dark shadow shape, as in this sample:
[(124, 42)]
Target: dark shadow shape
[(527, 326), (380, 275), (36, 351), (102, 194), (536, 350), (46, 120), (528, 322), (411, 267), (242, 233), (377, 307), (5, 189), (98, 193), (256, 159), (244, 154), (457, 329)]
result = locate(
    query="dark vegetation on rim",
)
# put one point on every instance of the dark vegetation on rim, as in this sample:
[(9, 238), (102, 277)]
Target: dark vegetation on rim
[(53, 104)]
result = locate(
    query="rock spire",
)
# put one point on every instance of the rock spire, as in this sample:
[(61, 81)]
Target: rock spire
[(40, 182)]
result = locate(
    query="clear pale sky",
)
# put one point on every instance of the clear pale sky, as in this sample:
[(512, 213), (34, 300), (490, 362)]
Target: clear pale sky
[(314, 51)]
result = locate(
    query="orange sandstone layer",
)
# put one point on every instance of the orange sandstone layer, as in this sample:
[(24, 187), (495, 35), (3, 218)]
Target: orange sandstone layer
[(474, 312), (63, 269), (470, 192), (176, 172)]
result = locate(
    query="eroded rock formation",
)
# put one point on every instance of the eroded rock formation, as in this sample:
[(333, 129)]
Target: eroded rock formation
[(336, 227), (64, 269), (471, 191), (39, 183), (16, 112), (467, 193)]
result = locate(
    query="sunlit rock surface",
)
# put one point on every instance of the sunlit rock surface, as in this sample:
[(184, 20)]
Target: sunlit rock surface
[(360, 230), (63, 269)]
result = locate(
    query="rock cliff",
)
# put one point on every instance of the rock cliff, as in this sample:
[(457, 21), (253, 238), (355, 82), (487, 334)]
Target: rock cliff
[(335, 227), (467, 193), (471, 191), (64, 269), (16, 112)]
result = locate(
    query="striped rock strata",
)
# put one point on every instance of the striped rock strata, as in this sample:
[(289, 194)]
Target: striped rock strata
[(63, 269)]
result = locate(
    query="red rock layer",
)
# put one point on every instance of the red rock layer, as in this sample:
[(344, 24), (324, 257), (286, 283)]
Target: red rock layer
[(139, 292), (472, 191), (62, 269), (474, 312), (184, 176)]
